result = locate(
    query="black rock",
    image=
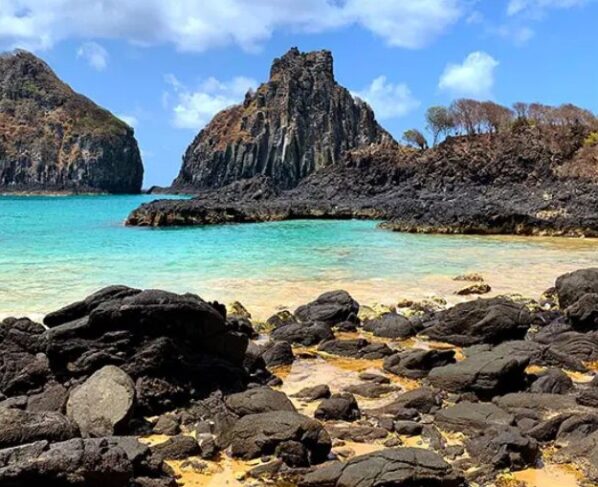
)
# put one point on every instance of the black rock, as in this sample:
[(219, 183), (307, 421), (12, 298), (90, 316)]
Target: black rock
[(468, 417), (256, 435), (553, 381), (485, 374), (492, 320), (176, 448), (314, 393), (416, 364), (356, 348), (258, 400), (572, 286), (391, 325), (583, 314), (304, 334), (338, 407), (400, 466), (331, 308), (18, 427)]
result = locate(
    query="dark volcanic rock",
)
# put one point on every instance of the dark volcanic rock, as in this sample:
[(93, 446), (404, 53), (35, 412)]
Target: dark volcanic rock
[(583, 314), (401, 466), (491, 321), (53, 139), (94, 462), (306, 334), (572, 286), (173, 346), (416, 364), (338, 407), (503, 447), (391, 325), (314, 393), (356, 348), (485, 374), (258, 400), (19, 427), (256, 435), (470, 417), (176, 448), (582, 453), (103, 402), (553, 381), (299, 121), (331, 308), (278, 353)]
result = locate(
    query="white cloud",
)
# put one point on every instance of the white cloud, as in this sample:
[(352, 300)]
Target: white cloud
[(130, 120), (473, 78), (387, 99), (194, 109), (519, 35), (537, 7), (95, 55), (197, 25)]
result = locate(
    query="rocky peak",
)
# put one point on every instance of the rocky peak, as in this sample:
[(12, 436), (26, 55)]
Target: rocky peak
[(299, 121), (54, 139)]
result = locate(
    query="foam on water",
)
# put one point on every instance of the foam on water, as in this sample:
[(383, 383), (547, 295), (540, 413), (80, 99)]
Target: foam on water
[(55, 250)]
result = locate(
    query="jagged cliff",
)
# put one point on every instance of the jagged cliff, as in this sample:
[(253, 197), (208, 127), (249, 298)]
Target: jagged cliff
[(297, 122), (55, 140), (529, 180)]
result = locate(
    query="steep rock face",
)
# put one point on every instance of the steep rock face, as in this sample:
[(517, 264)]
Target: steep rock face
[(299, 121), (53, 139)]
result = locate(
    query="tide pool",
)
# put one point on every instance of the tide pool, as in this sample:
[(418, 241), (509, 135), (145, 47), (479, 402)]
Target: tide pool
[(55, 250)]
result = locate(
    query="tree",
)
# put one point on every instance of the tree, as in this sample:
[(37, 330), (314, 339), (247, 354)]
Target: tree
[(439, 121), (467, 115), (415, 138), (495, 117), (521, 109)]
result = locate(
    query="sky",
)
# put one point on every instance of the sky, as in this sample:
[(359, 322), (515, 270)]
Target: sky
[(166, 67)]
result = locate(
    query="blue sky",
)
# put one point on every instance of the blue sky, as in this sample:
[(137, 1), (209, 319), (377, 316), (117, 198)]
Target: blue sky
[(167, 67)]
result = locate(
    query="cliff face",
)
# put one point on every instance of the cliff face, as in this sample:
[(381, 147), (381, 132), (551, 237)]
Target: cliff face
[(53, 139), (299, 121)]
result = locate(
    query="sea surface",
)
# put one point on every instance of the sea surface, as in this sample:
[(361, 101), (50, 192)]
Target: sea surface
[(56, 250)]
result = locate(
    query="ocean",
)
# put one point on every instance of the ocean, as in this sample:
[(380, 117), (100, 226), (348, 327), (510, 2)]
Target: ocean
[(56, 250)]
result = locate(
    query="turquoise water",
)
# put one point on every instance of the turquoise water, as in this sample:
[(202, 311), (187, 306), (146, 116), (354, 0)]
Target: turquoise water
[(54, 250)]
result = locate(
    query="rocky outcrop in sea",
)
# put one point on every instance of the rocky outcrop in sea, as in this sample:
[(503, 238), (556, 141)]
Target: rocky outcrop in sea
[(529, 181), (297, 122), (141, 388), (53, 139)]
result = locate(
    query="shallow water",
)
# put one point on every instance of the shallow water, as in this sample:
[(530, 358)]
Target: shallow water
[(55, 250)]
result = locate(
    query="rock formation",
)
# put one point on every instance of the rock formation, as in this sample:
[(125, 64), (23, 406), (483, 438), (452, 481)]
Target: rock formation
[(55, 140), (299, 121)]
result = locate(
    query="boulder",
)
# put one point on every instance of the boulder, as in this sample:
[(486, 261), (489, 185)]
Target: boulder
[(258, 400), (314, 393), (390, 467), (331, 308), (277, 353), (416, 364), (503, 447), (468, 417), (341, 407), (177, 345), (492, 320), (303, 334), (553, 381), (92, 462), (356, 348), (103, 403), (408, 404), (19, 427), (583, 454), (479, 288), (583, 314), (371, 390), (391, 325), (408, 428), (572, 286), (486, 374), (256, 435), (176, 448)]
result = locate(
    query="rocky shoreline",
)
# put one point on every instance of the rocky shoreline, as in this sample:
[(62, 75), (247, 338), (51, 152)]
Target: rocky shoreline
[(149, 388), (483, 184)]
